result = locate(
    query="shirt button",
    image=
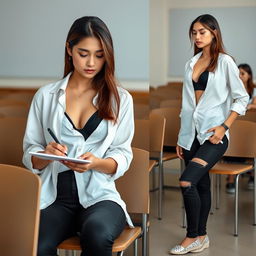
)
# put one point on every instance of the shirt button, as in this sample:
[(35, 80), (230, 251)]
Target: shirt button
[(79, 149)]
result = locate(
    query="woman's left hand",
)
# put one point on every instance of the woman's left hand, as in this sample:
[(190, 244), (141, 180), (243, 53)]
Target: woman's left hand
[(83, 167), (218, 134)]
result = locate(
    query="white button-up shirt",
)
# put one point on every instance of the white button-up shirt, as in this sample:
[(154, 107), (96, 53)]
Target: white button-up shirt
[(47, 111), (224, 93)]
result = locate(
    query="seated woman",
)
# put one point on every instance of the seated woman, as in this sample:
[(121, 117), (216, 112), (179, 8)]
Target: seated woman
[(93, 119), (246, 75)]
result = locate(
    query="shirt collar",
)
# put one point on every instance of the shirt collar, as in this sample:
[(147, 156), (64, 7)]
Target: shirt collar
[(194, 59), (61, 88)]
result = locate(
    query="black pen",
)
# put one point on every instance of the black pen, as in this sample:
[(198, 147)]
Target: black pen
[(55, 138)]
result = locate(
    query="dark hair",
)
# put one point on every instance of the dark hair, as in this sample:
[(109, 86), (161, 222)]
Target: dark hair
[(250, 85), (104, 82), (210, 23)]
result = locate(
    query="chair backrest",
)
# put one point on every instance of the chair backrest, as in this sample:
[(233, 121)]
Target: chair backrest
[(141, 111), (12, 131), (20, 96), (156, 132), (171, 103), (19, 214), (12, 102), (14, 110), (141, 134), (242, 139), (172, 124), (134, 185), (250, 115)]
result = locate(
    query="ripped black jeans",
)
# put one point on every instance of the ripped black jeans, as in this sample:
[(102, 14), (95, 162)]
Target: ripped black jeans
[(197, 196)]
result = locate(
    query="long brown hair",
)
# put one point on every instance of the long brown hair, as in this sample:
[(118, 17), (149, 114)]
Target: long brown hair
[(250, 84), (210, 23), (104, 82)]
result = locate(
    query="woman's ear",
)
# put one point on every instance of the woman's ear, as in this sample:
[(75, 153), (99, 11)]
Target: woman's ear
[(68, 49)]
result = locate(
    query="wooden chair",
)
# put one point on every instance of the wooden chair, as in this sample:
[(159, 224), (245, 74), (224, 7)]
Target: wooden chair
[(19, 96), (242, 144), (172, 127), (250, 115), (12, 131), (134, 190), (141, 111), (176, 103), (14, 111), (19, 214), (11, 102)]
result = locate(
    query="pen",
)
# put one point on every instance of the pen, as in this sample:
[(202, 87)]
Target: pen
[(55, 138)]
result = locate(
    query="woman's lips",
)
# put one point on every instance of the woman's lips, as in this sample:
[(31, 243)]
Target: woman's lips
[(89, 71)]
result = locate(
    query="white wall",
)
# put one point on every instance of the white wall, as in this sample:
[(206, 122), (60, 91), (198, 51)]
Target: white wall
[(157, 77), (33, 37)]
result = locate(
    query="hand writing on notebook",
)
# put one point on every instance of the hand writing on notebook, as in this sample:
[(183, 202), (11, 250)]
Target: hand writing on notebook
[(56, 149)]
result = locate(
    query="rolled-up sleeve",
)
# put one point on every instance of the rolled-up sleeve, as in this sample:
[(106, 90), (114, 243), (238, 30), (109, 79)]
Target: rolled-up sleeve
[(33, 138), (120, 149), (238, 91)]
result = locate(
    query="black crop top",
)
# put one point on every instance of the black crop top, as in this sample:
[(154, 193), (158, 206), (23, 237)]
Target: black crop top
[(202, 81)]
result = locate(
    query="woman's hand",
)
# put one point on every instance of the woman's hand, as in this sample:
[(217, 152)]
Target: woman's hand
[(83, 167), (56, 149), (218, 134), (52, 148), (179, 152)]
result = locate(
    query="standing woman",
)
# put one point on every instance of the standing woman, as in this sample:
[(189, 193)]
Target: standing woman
[(93, 118), (213, 97)]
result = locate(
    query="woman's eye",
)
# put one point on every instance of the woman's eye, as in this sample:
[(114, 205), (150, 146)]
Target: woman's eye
[(82, 55), (99, 56)]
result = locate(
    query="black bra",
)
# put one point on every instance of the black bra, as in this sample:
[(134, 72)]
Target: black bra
[(202, 81), (90, 125)]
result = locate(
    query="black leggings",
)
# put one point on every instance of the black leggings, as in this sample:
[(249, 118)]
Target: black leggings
[(99, 225), (197, 196)]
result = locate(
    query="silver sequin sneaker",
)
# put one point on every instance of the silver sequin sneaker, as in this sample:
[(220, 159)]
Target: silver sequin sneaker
[(178, 249), (204, 244)]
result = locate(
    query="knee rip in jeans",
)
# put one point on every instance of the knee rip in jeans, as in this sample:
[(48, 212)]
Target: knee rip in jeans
[(199, 161), (185, 184)]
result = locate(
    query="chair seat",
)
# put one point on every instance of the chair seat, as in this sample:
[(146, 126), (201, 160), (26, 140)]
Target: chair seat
[(169, 156), (230, 168), (152, 164), (121, 243)]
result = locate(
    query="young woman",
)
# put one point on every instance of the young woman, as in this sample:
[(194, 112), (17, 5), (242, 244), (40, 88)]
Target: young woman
[(245, 73), (213, 96), (247, 78), (93, 119)]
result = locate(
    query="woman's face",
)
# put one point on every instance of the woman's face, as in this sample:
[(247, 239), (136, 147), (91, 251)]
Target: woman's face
[(88, 57), (244, 76), (201, 36)]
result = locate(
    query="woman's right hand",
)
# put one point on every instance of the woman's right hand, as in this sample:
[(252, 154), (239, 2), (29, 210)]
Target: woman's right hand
[(179, 152), (52, 148)]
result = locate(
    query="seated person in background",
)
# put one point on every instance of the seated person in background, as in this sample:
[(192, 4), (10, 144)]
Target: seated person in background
[(247, 79)]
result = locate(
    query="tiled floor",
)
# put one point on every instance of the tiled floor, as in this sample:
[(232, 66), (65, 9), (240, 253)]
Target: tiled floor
[(168, 231)]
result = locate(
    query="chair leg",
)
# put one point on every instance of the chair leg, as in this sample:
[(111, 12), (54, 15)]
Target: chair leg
[(212, 193), (144, 235), (218, 191), (160, 191), (135, 247), (236, 205)]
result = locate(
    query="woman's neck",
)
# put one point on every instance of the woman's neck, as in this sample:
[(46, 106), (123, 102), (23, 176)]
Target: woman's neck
[(79, 83)]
